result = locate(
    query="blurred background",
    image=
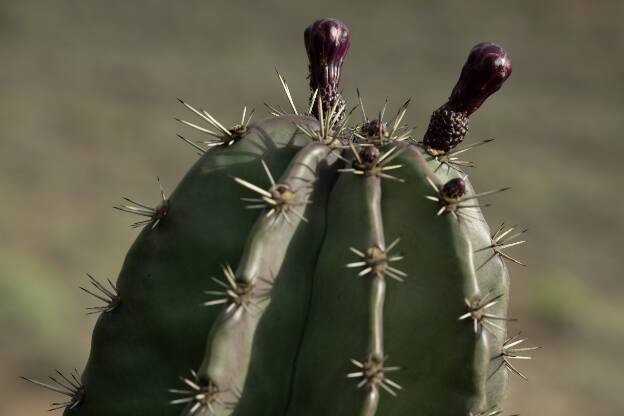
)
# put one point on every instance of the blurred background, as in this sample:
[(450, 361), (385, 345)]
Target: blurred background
[(88, 95)]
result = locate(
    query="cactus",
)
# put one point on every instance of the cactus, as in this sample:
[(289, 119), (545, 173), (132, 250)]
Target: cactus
[(368, 273)]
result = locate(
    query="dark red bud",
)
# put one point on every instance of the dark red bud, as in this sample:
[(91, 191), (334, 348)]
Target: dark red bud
[(327, 42), (454, 189), (369, 154), (485, 71), (371, 128)]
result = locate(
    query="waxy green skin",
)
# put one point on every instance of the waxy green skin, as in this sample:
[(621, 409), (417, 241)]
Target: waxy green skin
[(493, 277), (419, 315), (447, 361), (279, 260), (339, 325)]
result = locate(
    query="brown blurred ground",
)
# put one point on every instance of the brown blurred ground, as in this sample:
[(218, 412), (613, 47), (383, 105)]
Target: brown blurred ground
[(88, 93)]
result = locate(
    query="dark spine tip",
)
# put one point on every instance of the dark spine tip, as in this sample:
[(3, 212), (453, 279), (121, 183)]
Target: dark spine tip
[(488, 66), (453, 189), (326, 41)]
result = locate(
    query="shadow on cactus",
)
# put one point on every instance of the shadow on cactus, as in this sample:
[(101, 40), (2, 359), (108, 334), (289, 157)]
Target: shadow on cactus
[(309, 266)]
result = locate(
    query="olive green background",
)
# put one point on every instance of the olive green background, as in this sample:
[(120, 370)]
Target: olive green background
[(87, 98)]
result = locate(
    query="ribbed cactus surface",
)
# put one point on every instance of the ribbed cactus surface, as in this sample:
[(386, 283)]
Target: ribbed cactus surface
[(309, 266)]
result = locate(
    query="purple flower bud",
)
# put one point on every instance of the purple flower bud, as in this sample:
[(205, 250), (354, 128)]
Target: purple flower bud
[(372, 128), (485, 71), (369, 154), (453, 189), (327, 42)]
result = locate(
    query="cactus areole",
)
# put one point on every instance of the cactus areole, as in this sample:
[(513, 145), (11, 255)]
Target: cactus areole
[(310, 265)]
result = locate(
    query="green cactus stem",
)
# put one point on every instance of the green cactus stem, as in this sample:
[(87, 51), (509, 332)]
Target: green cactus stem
[(306, 266)]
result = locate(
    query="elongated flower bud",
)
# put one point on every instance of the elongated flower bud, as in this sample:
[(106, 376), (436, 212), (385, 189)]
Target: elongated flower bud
[(487, 68), (485, 71), (326, 42)]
